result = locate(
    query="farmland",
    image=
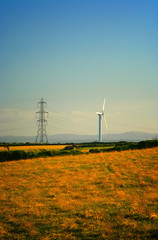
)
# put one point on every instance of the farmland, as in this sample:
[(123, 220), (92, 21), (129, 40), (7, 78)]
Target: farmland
[(110, 195), (33, 147)]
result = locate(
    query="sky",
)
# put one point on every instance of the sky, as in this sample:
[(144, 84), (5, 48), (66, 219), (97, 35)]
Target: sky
[(73, 54)]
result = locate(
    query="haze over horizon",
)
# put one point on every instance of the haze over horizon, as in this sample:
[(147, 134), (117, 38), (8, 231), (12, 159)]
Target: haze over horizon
[(73, 54)]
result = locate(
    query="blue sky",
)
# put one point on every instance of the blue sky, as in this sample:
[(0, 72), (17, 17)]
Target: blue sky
[(74, 53)]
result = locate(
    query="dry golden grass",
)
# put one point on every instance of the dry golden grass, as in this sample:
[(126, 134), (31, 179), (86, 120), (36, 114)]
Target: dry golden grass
[(95, 196), (33, 148)]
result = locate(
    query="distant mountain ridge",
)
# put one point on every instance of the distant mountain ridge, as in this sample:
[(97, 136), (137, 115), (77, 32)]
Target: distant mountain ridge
[(75, 138)]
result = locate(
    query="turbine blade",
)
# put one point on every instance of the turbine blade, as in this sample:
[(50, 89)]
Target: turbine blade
[(105, 123), (103, 106)]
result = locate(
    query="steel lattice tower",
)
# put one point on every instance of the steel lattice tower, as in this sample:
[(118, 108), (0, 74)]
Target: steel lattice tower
[(42, 122)]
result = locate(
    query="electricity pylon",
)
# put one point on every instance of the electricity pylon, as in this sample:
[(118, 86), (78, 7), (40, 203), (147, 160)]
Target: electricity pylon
[(42, 122)]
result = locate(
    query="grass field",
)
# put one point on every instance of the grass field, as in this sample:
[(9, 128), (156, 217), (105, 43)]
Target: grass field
[(37, 148), (95, 196), (33, 148)]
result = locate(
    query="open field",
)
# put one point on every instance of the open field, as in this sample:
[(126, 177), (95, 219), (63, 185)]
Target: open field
[(96, 196), (33, 147), (37, 148)]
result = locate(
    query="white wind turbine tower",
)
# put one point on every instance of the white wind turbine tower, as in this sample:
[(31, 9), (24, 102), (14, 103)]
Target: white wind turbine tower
[(101, 115)]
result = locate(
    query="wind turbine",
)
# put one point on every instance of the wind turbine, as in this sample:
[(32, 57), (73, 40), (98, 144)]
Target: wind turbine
[(101, 115)]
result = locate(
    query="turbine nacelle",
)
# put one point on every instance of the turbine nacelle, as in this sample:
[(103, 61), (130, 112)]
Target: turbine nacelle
[(100, 113)]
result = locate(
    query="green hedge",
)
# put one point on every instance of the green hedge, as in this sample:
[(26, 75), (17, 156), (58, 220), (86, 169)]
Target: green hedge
[(122, 146), (20, 154), (13, 155)]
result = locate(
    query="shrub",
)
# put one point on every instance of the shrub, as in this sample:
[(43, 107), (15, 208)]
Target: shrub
[(31, 154), (75, 152), (63, 152), (148, 144), (5, 155), (19, 154), (94, 150), (44, 153), (70, 147), (12, 155)]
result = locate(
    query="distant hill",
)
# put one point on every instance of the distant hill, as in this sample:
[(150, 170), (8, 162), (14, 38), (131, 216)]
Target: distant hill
[(70, 138)]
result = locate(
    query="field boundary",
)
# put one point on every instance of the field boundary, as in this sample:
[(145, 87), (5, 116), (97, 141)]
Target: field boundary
[(75, 150)]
